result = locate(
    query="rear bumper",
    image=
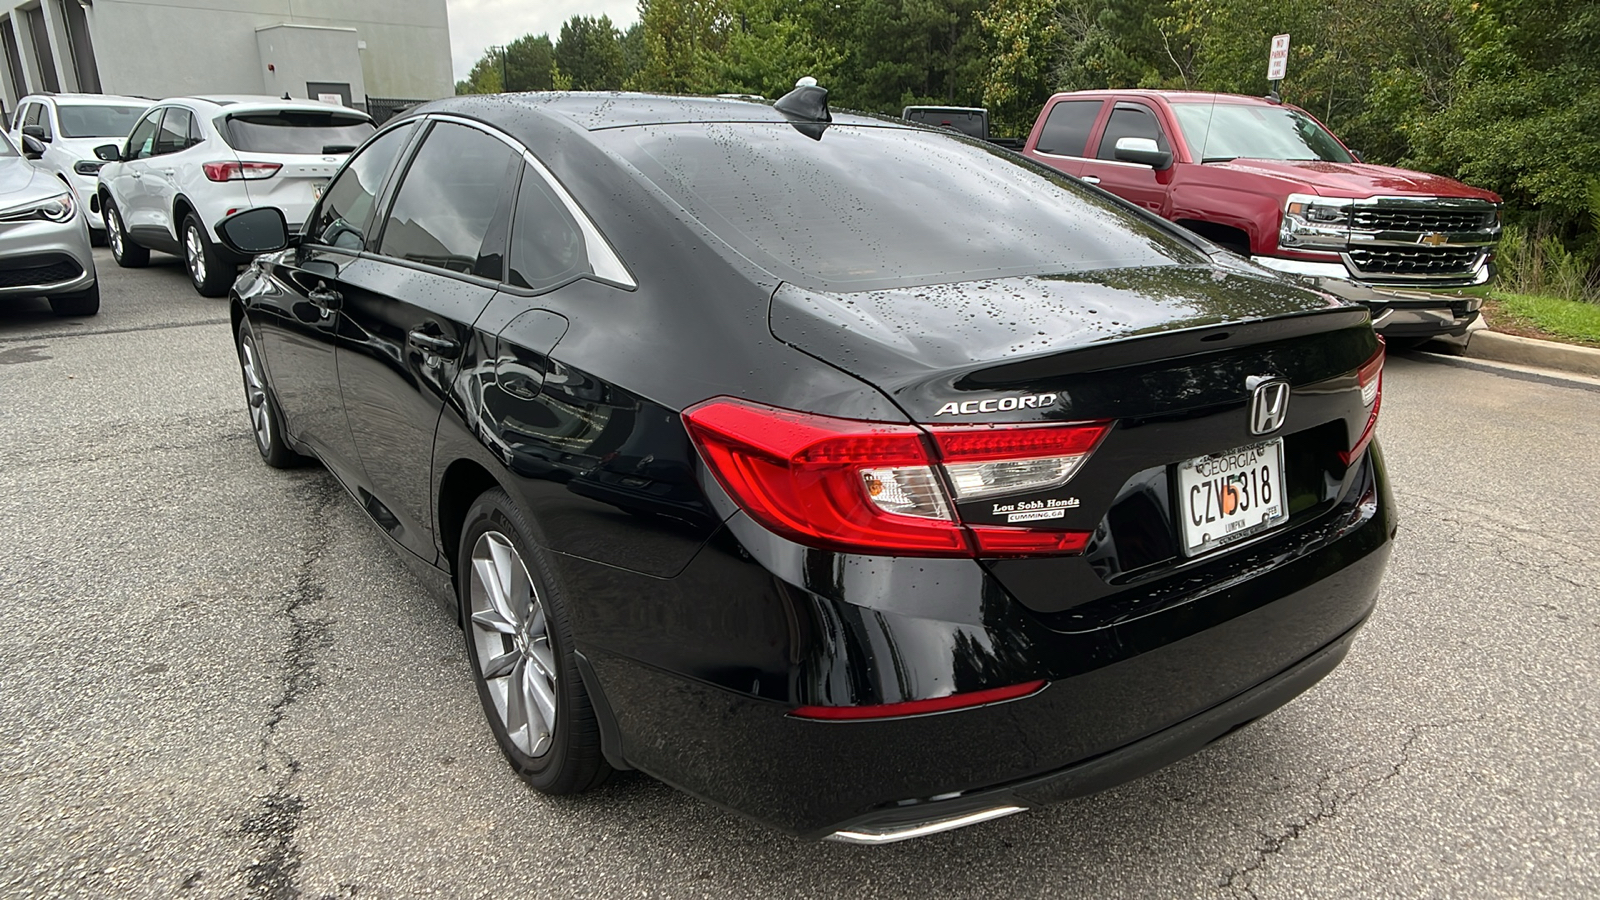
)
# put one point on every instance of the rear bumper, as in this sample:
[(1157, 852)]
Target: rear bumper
[(1109, 769), (703, 701)]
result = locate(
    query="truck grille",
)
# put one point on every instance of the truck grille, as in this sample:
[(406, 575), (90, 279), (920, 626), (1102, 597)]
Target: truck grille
[(1376, 218), (1416, 261)]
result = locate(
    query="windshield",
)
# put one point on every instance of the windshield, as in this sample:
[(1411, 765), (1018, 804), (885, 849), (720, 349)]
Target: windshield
[(1221, 131), (870, 207), (297, 131), (98, 121)]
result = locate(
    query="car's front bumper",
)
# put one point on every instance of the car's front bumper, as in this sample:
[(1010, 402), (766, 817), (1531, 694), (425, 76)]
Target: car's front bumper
[(703, 698), (42, 258)]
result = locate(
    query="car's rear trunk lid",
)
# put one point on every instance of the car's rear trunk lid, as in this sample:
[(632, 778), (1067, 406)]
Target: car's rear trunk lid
[(1169, 356)]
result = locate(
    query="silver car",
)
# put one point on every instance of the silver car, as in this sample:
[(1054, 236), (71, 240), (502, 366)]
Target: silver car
[(44, 237)]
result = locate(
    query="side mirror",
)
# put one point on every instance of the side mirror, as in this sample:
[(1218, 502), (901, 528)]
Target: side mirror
[(35, 131), (255, 231), (1144, 152), (108, 153), (1358, 156), (32, 148)]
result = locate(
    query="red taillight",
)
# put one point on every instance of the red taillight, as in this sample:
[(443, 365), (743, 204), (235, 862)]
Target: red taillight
[(919, 707), (1370, 377), (810, 478), (876, 488), (230, 170)]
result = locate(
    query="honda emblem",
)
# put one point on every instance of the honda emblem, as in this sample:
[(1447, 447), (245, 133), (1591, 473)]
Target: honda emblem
[(1269, 405)]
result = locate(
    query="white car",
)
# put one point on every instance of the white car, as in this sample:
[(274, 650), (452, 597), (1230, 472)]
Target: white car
[(191, 161), (70, 126)]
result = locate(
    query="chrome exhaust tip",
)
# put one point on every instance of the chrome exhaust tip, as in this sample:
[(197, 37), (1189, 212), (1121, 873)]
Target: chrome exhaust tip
[(889, 834)]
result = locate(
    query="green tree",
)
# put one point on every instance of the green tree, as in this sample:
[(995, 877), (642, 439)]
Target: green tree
[(1023, 37), (529, 63), (484, 78), (589, 51), (1523, 117), (682, 45)]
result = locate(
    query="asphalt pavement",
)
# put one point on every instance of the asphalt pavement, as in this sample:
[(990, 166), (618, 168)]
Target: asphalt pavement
[(217, 681)]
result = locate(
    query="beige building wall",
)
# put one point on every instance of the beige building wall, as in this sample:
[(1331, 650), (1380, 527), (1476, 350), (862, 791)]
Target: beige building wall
[(164, 48)]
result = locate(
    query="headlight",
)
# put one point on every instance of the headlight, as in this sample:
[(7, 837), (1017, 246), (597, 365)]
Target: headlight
[(1315, 222), (89, 167), (55, 209)]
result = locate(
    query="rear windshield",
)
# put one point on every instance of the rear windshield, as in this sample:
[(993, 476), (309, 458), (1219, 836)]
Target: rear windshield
[(98, 121), (866, 207), (297, 131), (966, 121), (1223, 131)]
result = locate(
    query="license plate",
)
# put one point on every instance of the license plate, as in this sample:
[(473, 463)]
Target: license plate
[(1226, 496)]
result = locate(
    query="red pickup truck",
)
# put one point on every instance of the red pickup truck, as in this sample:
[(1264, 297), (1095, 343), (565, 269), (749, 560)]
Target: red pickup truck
[(1269, 181)]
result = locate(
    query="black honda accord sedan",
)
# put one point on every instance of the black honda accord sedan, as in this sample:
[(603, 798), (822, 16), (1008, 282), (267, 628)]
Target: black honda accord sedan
[(861, 478)]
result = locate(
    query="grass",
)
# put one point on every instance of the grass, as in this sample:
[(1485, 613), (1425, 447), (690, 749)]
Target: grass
[(1550, 318)]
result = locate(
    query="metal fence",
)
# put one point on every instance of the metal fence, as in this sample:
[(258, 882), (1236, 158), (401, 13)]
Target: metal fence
[(382, 109)]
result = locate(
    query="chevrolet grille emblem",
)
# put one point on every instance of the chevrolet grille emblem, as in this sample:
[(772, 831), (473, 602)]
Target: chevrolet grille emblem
[(1434, 240)]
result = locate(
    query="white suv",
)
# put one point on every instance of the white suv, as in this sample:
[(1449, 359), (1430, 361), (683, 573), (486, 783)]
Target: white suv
[(191, 161), (70, 126)]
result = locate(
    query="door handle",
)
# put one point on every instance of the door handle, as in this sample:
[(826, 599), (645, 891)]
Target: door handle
[(1090, 179), (434, 344), (324, 298), (169, 172), (137, 174)]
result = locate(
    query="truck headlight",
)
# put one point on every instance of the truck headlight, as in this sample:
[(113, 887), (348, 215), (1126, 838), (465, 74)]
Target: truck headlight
[(1315, 222), (58, 208)]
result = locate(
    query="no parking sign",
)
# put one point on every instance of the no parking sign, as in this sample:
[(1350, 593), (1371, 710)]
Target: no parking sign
[(1278, 57)]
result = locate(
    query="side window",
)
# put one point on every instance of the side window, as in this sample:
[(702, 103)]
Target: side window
[(342, 219), (33, 113), (142, 140), (1130, 121), (16, 120), (546, 244), (448, 200), (44, 122), (174, 133), (195, 137), (1066, 131)]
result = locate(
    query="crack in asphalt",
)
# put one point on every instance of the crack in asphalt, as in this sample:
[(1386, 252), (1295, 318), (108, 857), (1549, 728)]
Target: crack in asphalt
[(131, 329), (1237, 881), (273, 825)]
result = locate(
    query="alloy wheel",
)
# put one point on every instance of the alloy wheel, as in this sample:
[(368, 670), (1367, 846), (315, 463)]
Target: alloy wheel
[(114, 231), (511, 635), (255, 392), (194, 253)]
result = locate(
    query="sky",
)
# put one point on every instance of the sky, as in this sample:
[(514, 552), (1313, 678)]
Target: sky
[(478, 24)]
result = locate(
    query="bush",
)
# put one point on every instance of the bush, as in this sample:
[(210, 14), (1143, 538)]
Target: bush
[(1533, 259)]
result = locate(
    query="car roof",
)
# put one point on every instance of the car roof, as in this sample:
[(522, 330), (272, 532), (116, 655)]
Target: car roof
[(594, 111), (239, 103), (87, 100), (1179, 96)]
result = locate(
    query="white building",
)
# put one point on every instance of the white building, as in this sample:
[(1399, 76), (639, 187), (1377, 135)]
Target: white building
[(393, 49)]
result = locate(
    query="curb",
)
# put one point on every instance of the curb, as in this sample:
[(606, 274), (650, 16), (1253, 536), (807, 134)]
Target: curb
[(1492, 345)]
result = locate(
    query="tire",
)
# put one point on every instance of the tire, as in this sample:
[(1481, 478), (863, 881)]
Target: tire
[(210, 274), (514, 618), (78, 303), (266, 419), (127, 254)]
